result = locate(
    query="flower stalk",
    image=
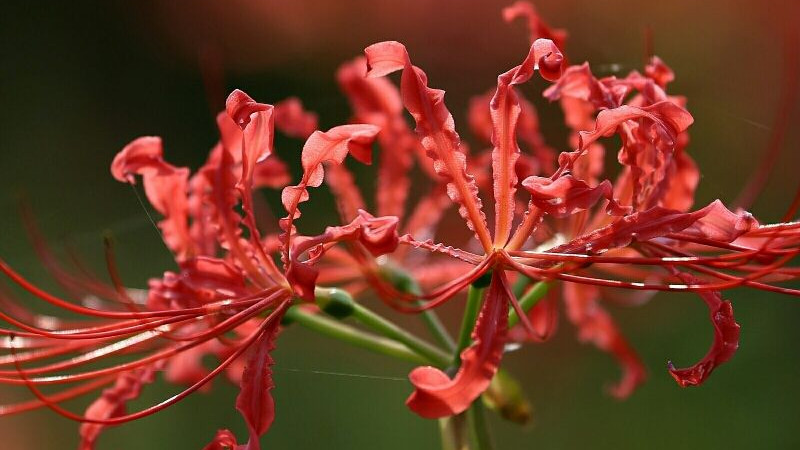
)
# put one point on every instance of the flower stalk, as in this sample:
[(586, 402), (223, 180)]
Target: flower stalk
[(345, 306), (529, 300), (405, 283), (478, 427), (345, 333), (471, 309)]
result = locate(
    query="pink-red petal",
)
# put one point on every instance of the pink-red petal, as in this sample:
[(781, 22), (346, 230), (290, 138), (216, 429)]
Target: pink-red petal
[(436, 129), (595, 325), (435, 394), (726, 338), (567, 195), (505, 110), (255, 401), (377, 234), (112, 403), (223, 440)]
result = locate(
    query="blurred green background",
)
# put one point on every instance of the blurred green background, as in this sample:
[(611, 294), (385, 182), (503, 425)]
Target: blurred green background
[(81, 79)]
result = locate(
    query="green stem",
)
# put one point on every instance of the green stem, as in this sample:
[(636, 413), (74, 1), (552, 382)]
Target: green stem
[(522, 282), (529, 300), (474, 297), (337, 330), (437, 328), (404, 282), (454, 433), (341, 304), (399, 344), (478, 428), (388, 329)]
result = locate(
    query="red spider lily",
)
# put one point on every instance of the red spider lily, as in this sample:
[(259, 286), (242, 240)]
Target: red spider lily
[(228, 296), (552, 218), (643, 213)]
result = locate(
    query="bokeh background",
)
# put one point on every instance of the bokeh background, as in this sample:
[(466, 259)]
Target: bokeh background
[(81, 79)]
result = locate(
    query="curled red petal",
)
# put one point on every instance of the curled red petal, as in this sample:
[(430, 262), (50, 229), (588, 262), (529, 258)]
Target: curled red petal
[(377, 234), (260, 166), (659, 72), (566, 195), (243, 110), (142, 155), (377, 101), (595, 325), (223, 440), (112, 402), (256, 120), (435, 394), (505, 110), (330, 147), (255, 401), (293, 119), (726, 338), (537, 27), (670, 119), (165, 186), (642, 226), (436, 128), (578, 82), (721, 224)]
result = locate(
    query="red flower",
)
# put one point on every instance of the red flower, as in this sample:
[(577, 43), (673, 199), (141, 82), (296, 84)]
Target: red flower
[(227, 297), (568, 223), (641, 220)]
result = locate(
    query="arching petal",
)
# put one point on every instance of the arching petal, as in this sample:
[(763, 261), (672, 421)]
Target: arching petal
[(595, 325), (567, 195), (505, 110), (435, 394), (331, 147), (726, 338), (436, 128), (112, 402), (255, 401)]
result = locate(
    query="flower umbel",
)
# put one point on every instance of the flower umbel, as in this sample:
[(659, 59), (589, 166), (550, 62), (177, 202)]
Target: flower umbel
[(539, 227)]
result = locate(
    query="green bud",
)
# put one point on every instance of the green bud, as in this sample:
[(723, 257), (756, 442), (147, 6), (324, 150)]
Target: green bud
[(335, 302)]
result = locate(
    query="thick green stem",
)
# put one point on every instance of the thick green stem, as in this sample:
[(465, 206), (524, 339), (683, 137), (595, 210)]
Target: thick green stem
[(337, 330), (453, 431), (519, 286), (473, 306), (437, 329), (340, 304), (529, 300), (386, 328), (478, 428), (403, 282)]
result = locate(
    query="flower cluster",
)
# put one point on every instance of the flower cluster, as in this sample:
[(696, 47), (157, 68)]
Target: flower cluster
[(556, 229)]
